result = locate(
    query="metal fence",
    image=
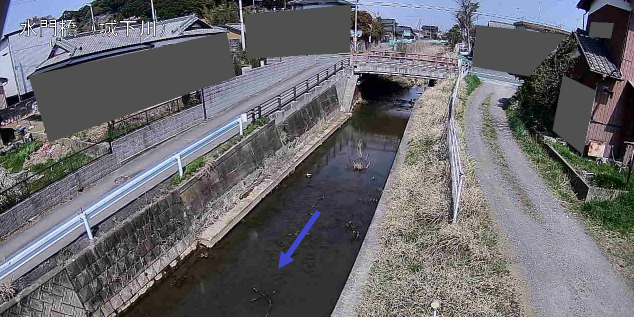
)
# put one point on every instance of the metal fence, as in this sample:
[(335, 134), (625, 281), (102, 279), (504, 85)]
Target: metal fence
[(127, 124), (453, 146), (286, 97), (34, 181)]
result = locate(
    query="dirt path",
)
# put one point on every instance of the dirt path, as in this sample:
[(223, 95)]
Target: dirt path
[(566, 271)]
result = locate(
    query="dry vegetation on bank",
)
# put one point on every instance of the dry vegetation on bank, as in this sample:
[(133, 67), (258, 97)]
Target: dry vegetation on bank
[(423, 257)]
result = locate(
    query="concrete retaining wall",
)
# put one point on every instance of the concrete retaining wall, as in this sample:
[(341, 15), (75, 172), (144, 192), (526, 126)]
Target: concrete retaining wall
[(232, 91), (55, 193), (124, 263), (583, 190), (156, 132)]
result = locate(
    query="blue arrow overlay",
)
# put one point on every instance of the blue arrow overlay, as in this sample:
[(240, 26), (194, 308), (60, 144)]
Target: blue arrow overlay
[(285, 258)]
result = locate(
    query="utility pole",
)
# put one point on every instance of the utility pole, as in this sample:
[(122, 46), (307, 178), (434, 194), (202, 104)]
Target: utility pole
[(242, 40), (540, 11), (94, 28), (153, 13), (355, 25), (23, 78)]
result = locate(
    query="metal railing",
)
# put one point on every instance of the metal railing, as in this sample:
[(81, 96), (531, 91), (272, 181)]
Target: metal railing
[(453, 147), (391, 55), (286, 97), (17, 111), (128, 124), (33, 182), (83, 217)]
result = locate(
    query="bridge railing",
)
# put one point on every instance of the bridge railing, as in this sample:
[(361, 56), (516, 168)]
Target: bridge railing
[(390, 55), (286, 97)]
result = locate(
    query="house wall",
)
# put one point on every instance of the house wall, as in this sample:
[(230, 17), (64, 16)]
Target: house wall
[(6, 71), (233, 36), (29, 52), (614, 110)]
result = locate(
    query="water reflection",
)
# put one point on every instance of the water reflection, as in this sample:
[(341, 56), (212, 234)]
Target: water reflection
[(221, 284)]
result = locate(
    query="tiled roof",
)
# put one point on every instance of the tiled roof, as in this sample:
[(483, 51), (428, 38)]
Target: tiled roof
[(597, 56), (91, 43)]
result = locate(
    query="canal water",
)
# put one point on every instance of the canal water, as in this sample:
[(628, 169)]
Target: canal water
[(239, 276)]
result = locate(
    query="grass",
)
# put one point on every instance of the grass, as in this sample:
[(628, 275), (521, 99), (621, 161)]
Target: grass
[(190, 169), (51, 173), (196, 165), (422, 256), (14, 159), (611, 223), (472, 83), (605, 175)]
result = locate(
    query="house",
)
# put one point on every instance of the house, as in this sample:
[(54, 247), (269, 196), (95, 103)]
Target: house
[(19, 56), (429, 31), (3, 98), (311, 4), (496, 24), (389, 25), (405, 33), (234, 34), (527, 26), (607, 66), (86, 47)]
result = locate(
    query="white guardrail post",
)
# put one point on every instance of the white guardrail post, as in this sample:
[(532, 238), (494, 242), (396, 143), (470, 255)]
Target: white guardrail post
[(84, 218), (177, 156)]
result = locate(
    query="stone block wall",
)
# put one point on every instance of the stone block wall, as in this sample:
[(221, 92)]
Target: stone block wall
[(232, 91), (54, 297), (156, 132), (115, 269), (49, 196)]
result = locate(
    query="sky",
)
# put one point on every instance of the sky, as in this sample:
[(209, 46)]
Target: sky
[(552, 11)]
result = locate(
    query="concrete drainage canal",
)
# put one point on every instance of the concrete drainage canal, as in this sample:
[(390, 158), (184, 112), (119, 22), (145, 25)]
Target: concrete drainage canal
[(343, 179)]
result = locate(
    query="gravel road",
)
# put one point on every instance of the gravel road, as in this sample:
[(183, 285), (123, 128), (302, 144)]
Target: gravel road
[(567, 274)]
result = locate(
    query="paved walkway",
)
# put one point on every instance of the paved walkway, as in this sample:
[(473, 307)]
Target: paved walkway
[(141, 163), (566, 271)]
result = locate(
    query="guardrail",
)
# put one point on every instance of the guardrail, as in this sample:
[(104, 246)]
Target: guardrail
[(453, 147), (276, 103), (65, 228)]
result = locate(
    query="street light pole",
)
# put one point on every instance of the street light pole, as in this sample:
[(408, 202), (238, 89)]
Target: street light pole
[(242, 40), (355, 25), (94, 28), (153, 13)]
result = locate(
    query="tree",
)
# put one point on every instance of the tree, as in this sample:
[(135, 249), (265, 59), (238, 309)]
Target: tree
[(223, 13), (454, 35), (370, 26), (537, 97), (464, 16)]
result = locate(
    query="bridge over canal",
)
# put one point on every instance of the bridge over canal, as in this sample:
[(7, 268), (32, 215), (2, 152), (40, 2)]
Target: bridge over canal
[(406, 65)]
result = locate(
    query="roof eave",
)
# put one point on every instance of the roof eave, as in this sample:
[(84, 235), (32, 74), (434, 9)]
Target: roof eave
[(584, 4)]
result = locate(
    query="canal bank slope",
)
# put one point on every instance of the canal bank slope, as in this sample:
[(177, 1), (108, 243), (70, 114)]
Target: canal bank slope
[(411, 254)]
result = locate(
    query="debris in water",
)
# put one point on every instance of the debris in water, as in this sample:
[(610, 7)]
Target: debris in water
[(309, 175), (354, 235), (265, 296)]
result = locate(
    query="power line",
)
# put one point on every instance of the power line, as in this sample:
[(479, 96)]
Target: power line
[(450, 10), (26, 1)]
